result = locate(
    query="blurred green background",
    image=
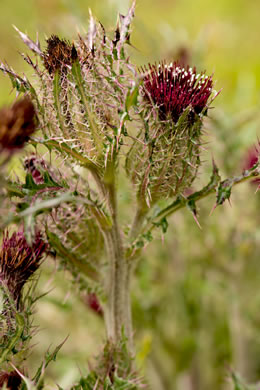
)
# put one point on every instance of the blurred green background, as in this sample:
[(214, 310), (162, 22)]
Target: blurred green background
[(196, 297)]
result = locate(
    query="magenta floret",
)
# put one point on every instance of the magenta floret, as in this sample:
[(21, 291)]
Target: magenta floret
[(173, 88)]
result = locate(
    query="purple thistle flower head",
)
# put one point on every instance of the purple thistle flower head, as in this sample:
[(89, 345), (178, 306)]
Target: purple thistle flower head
[(164, 160), (18, 261), (173, 88)]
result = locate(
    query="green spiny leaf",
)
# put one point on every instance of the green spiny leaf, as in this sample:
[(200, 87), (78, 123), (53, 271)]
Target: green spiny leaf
[(18, 83), (223, 192), (71, 258), (64, 148), (48, 358), (90, 116), (131, 98), (57, 103), (32, 45), (12, 341), (125, 22), (163, 223)]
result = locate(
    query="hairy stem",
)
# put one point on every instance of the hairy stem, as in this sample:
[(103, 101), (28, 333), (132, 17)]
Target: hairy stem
[(137, 225), (118, 320), (118, 312)]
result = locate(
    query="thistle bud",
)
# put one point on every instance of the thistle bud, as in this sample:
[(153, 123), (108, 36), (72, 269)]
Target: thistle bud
[(10, 380), (17, 123), (19, 261), (58, 55), (164, 159)]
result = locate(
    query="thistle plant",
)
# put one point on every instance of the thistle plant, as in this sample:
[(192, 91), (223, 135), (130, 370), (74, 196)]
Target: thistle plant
[(98, 115)]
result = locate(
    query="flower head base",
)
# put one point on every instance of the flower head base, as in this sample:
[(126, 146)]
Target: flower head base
[(17, 123), (173, 88), (18, 261), (59, 55)]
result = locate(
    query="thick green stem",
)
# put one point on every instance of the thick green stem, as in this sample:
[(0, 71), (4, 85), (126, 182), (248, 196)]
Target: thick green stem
[(118, 319), (118, 312), (129, 267)]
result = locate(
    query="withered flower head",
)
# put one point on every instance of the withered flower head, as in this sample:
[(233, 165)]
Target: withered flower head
[(12, 380), (18, 261), (173, 88), (59, 54), (17, 123)]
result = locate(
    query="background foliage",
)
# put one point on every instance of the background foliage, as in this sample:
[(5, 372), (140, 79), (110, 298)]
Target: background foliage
[(196, 297)]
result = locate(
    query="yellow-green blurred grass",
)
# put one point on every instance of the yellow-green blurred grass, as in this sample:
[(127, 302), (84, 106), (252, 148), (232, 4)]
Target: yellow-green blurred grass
[(224, 35), (61, 315)]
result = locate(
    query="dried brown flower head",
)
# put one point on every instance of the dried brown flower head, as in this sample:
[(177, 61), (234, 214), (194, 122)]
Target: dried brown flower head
[(59, 54), (17, 123), (18, 261), (12, 380)]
